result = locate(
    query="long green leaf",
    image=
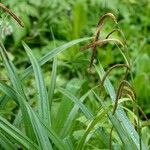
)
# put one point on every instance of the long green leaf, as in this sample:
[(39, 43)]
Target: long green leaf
[(4, 88), (41, 134), (3, 101), (53, 53), (43, 103), (6, 143), (54, 138), (71, 117), (16, 135), (99, 118), (52, 82), (66, 105), (82, 107)]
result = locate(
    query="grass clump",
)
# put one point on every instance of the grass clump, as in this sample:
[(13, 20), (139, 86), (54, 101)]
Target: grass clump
[(72, 124)]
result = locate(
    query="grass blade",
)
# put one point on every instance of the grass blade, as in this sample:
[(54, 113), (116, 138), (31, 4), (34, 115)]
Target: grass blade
[(100, 117), (16, 135), (6, 143), (76, 101), (54, 138), (52, 82), (43, 103), (71, 117), (53, 53), (3, 101), (40, 132), (5, 88), (66, 105)]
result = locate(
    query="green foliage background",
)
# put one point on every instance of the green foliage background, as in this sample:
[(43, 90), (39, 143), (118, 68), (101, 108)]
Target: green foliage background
[(51, 23)]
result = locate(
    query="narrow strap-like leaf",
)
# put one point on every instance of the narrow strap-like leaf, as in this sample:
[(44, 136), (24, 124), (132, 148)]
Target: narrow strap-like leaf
[(99, 118), (16, 135), (76, 101), (43, 103), (6, 143), (52, 82), (54, 53)]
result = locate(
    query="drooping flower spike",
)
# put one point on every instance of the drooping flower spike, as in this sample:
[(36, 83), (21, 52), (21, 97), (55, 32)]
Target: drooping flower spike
[(97, 41), (20, 22)]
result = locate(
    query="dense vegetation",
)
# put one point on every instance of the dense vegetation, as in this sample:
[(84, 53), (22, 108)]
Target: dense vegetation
[(75, 74)]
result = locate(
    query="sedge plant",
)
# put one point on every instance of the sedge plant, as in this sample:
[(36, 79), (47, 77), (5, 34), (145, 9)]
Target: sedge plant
[(42, 130)]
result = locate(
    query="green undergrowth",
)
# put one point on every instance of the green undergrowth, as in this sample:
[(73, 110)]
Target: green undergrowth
[(42, 107)]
